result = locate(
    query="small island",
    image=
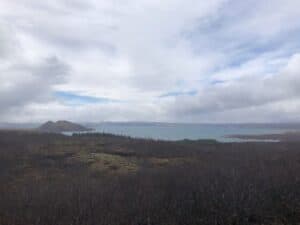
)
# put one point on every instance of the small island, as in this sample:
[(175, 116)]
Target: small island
[(62, 126)]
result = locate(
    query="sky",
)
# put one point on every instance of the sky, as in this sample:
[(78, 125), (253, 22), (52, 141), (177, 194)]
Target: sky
[(150, 60)]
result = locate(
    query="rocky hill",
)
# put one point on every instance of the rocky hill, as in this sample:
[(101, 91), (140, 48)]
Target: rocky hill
[(62, 126)]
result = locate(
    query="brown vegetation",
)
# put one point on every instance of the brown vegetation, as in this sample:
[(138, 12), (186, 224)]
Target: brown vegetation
[(91, 179)]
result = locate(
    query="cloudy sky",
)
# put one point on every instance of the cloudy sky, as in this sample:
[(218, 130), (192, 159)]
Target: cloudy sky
[(150, 60)]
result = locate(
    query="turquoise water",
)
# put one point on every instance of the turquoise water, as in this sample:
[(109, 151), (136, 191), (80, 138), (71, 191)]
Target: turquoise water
[(165, 131)]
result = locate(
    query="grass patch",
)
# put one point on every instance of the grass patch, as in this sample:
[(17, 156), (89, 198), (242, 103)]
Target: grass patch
[(108, 163)]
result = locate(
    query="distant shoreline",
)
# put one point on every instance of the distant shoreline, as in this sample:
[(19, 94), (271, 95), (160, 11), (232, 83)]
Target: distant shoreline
[(231, 136), (285, 137)]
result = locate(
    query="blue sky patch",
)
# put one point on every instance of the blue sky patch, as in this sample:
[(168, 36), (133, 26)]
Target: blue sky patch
[(215, 82), (76, 99), (178, 93)]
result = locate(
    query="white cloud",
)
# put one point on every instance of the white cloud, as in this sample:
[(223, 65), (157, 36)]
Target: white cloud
[(244, 93), (137, 50)]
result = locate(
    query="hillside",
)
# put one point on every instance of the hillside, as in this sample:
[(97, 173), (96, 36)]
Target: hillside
[(102, 179), (61, 126)]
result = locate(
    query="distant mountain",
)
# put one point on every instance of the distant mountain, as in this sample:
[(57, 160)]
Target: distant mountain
[(62, 126)]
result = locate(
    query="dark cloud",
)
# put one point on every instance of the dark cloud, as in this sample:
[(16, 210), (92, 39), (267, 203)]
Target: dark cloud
[(21, 84), (8, 44)]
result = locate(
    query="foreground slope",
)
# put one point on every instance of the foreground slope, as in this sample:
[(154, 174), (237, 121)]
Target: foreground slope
[(95, 179)]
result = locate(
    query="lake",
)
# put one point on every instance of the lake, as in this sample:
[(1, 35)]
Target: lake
[(177, 131)]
